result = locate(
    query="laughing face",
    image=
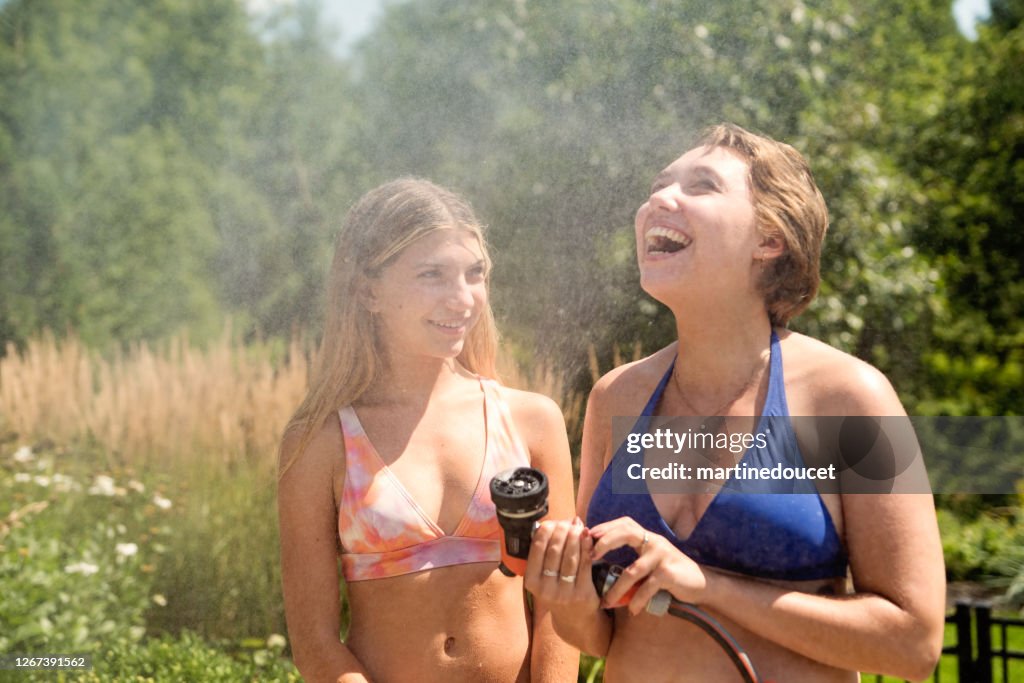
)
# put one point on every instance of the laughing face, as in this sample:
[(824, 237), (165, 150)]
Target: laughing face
[(427, 300), (696, 232)]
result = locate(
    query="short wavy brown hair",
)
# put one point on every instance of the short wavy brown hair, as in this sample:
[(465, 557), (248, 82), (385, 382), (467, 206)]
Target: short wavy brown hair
[(787, 205)]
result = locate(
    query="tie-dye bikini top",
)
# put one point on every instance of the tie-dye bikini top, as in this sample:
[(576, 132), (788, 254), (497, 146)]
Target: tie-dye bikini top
[(384, 532)]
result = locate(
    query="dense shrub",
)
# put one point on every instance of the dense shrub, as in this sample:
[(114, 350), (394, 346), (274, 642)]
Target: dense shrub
[(77, 555)]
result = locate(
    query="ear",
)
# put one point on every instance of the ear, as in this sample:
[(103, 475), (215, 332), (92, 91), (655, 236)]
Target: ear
[(366, 290), (770, 247)]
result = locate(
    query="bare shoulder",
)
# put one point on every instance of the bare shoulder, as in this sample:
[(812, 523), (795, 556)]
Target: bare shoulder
[(621, 392), (822, 380), (317, 457), (625, 389), (540, 424), (535, 415)]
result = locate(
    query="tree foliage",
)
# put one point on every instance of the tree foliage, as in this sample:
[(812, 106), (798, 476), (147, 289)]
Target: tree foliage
[(971, 164), (555, 117), (166, 163), (113, 115), (159, 168)]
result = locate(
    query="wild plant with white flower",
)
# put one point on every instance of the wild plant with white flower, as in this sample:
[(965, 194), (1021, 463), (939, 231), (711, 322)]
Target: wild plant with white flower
[(23, 455), (127, 549), (83, 568)]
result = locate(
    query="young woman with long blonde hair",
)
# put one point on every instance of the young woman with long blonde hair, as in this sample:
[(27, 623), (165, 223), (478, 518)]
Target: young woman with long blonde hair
[(388, 462)]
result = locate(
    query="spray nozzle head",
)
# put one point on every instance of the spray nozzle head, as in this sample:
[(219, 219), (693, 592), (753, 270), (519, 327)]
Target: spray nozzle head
[(518, 492), (520, 498)]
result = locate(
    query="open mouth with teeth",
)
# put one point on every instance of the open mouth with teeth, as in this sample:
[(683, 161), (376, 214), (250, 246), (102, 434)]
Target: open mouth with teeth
[(661, 240), (449, 325)]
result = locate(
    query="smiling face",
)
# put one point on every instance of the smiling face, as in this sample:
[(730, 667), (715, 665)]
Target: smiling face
[(696, 232), (428, 298)]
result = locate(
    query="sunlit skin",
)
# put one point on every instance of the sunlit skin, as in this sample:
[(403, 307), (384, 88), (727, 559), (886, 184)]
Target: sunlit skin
[(428, 299), (889, 619), (425, 418), (702, 199)]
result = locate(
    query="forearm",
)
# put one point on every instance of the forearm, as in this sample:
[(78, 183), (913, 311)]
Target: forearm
[(588, 630), (861, 632), (552, 659), (329, 663), (574, 605)]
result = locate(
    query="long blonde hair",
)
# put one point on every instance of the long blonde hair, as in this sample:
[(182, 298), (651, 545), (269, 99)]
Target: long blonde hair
[(376, 230)]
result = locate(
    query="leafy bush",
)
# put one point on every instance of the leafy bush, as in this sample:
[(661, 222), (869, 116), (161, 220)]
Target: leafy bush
[(988, 548), (77, 555), (188, 658), (184, 658), (80, 554)]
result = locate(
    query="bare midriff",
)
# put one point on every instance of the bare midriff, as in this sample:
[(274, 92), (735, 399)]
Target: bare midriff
[(667, 648), (462, 623)]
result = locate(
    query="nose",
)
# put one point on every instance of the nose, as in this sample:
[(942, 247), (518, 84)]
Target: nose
[(666, 198), (460, 295)]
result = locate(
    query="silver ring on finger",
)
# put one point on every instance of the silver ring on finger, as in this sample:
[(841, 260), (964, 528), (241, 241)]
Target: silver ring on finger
[(567, 579), (549, 572), (643, 543)]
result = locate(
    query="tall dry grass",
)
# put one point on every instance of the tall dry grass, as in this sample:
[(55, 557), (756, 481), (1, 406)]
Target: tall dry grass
[(224, 403), (543, 379), (202, 425)]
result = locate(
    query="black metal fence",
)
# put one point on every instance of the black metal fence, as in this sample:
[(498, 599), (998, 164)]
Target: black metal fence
[(978, 660)]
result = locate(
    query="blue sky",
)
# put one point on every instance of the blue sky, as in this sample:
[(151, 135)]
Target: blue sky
[(355, 18), (967, 12)]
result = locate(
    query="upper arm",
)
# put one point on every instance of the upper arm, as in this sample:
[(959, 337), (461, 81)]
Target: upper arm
[(540, 422), (596, 447), (308, 528), (892, 538), (620, 392)]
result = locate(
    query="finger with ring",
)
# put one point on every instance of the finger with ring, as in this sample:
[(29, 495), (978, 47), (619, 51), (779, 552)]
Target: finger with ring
[(570, 565)]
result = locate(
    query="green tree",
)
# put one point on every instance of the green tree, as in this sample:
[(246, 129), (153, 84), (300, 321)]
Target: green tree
[(554, 118), (115, 119), (972, 167), (1006, 15), (286, 190)]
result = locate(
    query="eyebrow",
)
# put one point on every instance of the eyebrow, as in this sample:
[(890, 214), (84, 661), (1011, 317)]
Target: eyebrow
[(708, 172), (701, 170), (661, 178), (433, 264)]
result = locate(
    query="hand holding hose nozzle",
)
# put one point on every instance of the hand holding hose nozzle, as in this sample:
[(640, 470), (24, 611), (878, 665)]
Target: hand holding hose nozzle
[(605, 576), (520, 497)]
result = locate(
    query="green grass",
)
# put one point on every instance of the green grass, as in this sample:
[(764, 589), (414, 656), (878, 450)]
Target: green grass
[(222, 568), (1015, 642), (159, 575)]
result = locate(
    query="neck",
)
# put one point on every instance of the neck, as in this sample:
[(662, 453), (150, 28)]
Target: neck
[(411, 381), (722, 360)]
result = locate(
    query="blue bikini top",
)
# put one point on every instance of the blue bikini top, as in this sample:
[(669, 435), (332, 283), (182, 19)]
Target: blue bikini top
[(766, 528)]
